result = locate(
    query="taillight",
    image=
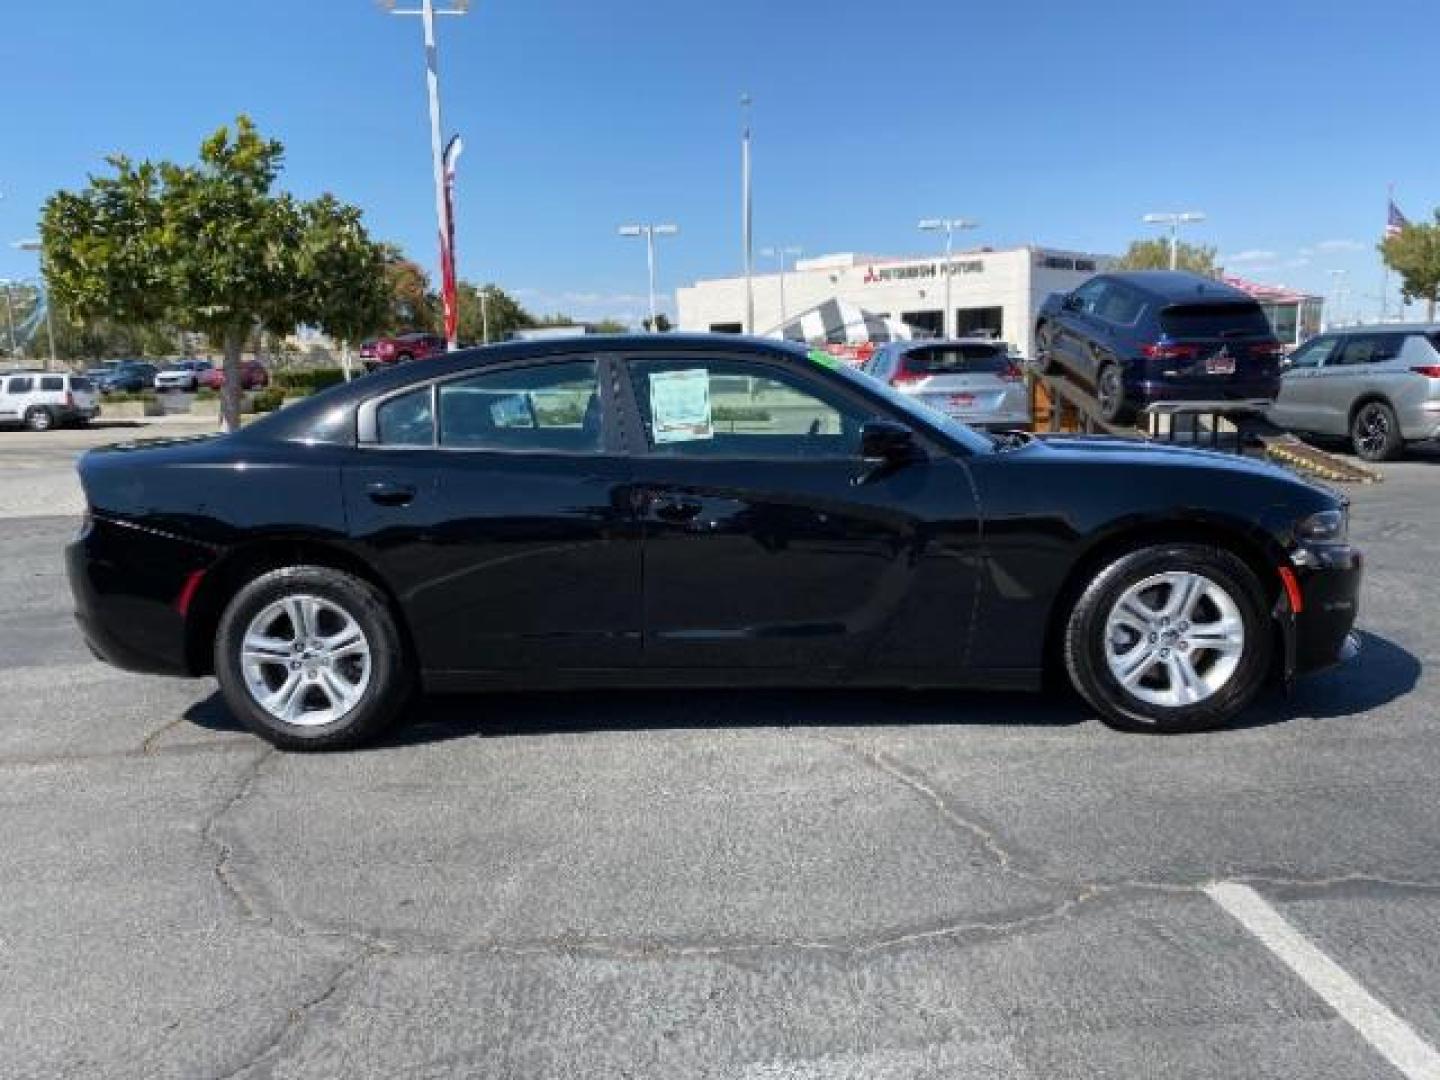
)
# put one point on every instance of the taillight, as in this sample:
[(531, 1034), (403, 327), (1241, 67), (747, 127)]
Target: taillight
[(1270, 350), (69, 400), (1168, 350), (1012, 373), (906, 378), (1430, 371)]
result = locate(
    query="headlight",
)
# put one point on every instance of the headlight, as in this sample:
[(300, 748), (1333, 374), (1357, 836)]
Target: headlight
[(1326, 527)]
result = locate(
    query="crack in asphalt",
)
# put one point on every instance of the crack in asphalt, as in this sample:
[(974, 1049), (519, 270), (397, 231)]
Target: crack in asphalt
[(224, 850)]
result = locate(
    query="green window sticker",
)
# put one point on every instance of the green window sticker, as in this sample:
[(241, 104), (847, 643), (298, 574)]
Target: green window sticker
[(823, 358)]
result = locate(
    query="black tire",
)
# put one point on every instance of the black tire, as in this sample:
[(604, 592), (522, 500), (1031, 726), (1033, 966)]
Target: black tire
[(1375, 432), (1086, 629), (1110, 393), (391, 678), (1045, 349), (39, 418), (403, 358)]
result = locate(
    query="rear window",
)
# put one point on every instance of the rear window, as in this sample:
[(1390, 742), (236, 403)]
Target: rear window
[(1214, 320), (978, 359), (80, 382)]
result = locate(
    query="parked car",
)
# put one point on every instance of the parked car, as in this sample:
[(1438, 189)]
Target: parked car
[(253, 376), (182, 375), (401, 349), (42, 400), (130, 376), (565, 514), (975, 380), (1378, 386), (1144, 338)]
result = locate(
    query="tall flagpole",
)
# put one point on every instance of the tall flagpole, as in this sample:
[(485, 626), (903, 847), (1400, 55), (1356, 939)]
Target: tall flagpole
[(745, 237), (1384, 263)]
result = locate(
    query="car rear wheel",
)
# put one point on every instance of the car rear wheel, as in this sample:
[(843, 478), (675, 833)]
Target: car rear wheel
[(38, 418), (1169, 639), (310, 658), (403, 358), (1110, 393), (1375, 432), (1045, 349)]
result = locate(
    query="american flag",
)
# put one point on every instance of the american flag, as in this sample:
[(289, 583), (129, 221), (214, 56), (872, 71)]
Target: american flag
[(1395, 221)]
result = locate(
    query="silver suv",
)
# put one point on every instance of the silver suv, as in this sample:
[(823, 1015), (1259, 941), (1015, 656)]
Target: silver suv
[(1377, 385), (43, 399), (974, 380)]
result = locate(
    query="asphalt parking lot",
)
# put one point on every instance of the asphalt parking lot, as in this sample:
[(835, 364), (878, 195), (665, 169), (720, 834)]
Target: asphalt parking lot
[(748, 885)]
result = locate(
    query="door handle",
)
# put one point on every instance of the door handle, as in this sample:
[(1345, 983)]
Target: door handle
[(669, 508), (390, 493)]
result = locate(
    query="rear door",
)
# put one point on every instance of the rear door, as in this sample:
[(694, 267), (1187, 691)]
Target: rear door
[(1364, 365), (83, 392), (762, 551), (498, 504), (1225, 343)]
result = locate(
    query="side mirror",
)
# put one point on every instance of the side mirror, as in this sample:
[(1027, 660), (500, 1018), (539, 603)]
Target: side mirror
[(1071, 302), (884, 447)]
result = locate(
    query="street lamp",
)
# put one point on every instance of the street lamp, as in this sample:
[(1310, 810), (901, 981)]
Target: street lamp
[(1342, 293), (427, 12), (780, 253), (36, 246), (650, 232), (1174, 220), (949, 226), (746, 238), (9, 313)]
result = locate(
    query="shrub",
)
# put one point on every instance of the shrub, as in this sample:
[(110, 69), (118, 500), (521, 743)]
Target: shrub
[(206, 394), (733, 413), (131, 395), (267, 400), (307, 380)]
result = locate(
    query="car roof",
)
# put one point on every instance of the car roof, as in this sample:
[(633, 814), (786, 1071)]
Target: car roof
[(1386, 328), (1179, 286), (932, 343), (295, 421)]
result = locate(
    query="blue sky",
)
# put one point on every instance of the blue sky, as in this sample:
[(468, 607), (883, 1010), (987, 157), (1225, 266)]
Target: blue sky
[(1055, 123)]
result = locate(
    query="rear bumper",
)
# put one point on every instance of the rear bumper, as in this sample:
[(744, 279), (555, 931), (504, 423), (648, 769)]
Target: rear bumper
[(127, 582), (1329, 579), (1257, 394)]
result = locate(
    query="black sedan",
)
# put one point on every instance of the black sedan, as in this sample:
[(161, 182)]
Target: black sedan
[(698, 511)]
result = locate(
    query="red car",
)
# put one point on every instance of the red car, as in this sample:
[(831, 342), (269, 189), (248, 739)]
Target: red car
[(253, 376), (400, 349)]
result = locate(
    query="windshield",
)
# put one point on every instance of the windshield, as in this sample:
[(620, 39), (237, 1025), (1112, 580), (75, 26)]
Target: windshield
[(912, 407)]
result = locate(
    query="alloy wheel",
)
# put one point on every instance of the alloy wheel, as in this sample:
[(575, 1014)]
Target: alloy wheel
[(1174, 639), (305, 660), (1110, 392), (1372, 431)]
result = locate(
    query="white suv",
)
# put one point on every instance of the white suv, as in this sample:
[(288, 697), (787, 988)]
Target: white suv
[(43, 399)]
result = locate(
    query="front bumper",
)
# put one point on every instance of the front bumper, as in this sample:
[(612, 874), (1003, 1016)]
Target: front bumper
[(1328, 577)]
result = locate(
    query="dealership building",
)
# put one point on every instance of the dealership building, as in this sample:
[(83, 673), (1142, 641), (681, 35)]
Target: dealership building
[(992, 292)]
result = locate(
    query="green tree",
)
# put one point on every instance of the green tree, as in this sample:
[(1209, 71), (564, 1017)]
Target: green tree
[(611, 326), (662, 325), (1414, 254), (208, 246), (412, 305), (1154, 254), (501, 313), (344, 272)]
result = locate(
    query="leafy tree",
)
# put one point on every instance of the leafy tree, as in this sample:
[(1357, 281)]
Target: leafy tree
[(207, 246), (1414, 254), (662, 323), (412, 305), (1154, 254), (501, 312), (611, 326), (344, 273)]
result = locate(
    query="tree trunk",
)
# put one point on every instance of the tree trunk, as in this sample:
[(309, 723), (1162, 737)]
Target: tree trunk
[(1430, 309), (345, 359), (231, 391)]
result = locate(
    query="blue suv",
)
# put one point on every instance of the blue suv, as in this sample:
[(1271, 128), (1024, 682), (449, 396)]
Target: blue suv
[(1151, 337)]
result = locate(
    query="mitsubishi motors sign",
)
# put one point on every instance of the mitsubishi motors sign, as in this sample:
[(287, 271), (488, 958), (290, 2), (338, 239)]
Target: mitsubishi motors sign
[(913, 271)]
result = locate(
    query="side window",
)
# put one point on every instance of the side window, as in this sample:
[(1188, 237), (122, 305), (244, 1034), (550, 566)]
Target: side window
[(52, 382), (1090, 297), (1371, 349), (738, 409), (406, 420), (1121, 305), (21, 386), (554, 407), (1314, 353)]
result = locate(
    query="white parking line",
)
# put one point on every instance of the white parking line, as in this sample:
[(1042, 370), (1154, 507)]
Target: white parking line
[(1392, 1037)]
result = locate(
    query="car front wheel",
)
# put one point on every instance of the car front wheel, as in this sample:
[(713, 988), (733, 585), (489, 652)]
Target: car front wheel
[(1375, 432), (39, 419), (310, 658), (1170, 638)]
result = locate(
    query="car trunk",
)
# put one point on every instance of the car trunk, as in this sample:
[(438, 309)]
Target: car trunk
[(961, 380), (1216, 343)]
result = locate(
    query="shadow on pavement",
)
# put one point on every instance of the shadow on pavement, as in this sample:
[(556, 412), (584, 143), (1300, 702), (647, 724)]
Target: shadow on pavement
[(1383, 672)]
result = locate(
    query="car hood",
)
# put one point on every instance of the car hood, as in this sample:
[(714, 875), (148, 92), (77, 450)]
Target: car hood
[(1110, 448)]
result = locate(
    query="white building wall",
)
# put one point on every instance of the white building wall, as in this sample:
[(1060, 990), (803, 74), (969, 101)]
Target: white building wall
[(1014, 280)]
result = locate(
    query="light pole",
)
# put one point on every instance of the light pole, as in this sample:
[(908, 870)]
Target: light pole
[(1174, 219), (780, 253), (650, 232), (949, 226), (745, 216), (427, 12), (1342, 293), (36, 246)]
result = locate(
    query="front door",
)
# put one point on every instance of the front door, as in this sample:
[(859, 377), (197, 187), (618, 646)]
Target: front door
[(498, 505), (761, 549), (1300, 405)]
